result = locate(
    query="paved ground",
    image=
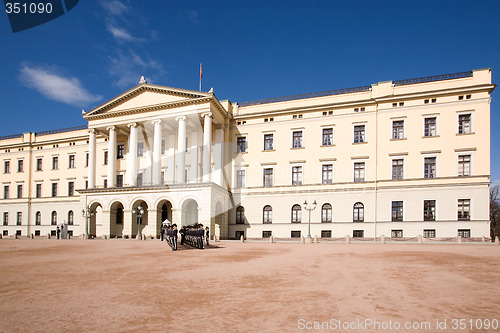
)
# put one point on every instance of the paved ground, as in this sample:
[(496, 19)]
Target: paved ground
[(138, 286)]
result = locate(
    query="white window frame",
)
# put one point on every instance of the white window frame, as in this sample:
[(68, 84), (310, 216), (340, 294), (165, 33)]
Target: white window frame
[(332, 127), (461, 153), (365, 124), (400, 157), (403, 119), (425, 116), (303, 142), (333, 171), (244, 185), (360, 160), (459, 113), (246, 143), (274, 174), (424, 156), (301, 166)]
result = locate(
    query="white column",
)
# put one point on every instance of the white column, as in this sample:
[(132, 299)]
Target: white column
[(218, 156), (132, 156), (171, 159), (193, 176), (157, 152), (92, 148), (112, 156), (207, 146), (181, 148)]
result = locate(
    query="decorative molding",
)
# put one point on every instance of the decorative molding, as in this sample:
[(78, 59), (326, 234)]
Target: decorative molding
[(430, 152), (398, 154), (465, 149), (360, 157)]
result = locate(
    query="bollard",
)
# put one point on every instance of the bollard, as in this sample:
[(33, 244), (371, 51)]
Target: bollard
[(242, 239), (420, 239), (347, 239), (382, 239), (315, 239), (459, 240), (271, 239)]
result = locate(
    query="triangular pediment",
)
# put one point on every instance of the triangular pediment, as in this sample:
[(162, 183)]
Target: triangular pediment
[(145, 96)]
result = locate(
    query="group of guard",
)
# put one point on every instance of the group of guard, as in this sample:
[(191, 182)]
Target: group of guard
[(193, 235)]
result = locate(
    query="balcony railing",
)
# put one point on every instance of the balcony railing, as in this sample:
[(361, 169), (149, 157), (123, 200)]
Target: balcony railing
[(62, 130), (433, 78)]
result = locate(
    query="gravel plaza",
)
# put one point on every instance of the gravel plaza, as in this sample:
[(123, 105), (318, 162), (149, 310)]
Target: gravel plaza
[(136, 286)]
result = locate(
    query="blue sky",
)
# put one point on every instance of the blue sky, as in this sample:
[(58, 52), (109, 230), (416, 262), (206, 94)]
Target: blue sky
[(249, 50)]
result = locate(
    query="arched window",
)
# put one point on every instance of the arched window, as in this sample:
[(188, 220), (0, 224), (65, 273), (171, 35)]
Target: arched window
[(326, 213), (240, 215), (358, 213), (296, 214), (38, 218), (53, 219), (267, 214), (119, 215), (70, 217)]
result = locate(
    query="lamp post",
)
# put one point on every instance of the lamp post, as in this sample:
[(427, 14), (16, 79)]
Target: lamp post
[(87, 214), (139, 211), (309, 209)]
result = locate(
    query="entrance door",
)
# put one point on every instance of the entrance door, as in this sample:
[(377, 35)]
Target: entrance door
[(238, 234)]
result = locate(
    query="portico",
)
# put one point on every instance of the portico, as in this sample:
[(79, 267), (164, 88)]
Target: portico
[(159, 147)]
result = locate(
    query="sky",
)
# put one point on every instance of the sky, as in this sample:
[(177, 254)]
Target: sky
[(249, 49)]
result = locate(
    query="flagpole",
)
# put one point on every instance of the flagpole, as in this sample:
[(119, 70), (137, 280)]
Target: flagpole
[(200, 76)]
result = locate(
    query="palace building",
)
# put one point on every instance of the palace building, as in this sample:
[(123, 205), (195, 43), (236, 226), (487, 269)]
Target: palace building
[(397, 158)]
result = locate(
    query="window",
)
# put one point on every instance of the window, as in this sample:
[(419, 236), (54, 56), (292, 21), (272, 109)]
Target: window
[(358, 233), (426, 101), (327, 174), (87, 159), (37, 232), (5, 233), (267, 214), (464, 124), (268, 142), (70, 217), (240, 215), (358, 212), (240, 178), (296, 214), (19, 218), (140, 178), (434, 100), (38, 190), (327, 137), (120, 151), (359, 172), (19, 191), (71, 161), (295, 234), (86, 184), (119, 180), (468, 96), (105, 183), (71, 189), (429, 210), (5, 218), (38, 218), (430, 167), (53, 218), (54, 189), (401, 103), (397, 169), (268, 177), (163, 146), (398, 129), (55, 163), (430, 126), (397, 211), (105, 157), (39, 164), (6, 193), (297, 139), (266, 234), (464, 165), (464, 233), (359, 134), (326, 213), (461, 97), (297, 175), (20, 165), (6, 167), (326, 234), (241, 144), (140, 149), (463, 209), (396, 233), (429, 233)]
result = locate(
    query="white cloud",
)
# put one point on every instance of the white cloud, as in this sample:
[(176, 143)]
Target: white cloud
[(128, 68), (114, 7), (47, 82), (122, 35), (194, 17)]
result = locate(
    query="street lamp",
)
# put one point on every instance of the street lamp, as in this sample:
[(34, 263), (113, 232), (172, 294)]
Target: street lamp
[(87, 214), (139, 211), (309, 209)]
